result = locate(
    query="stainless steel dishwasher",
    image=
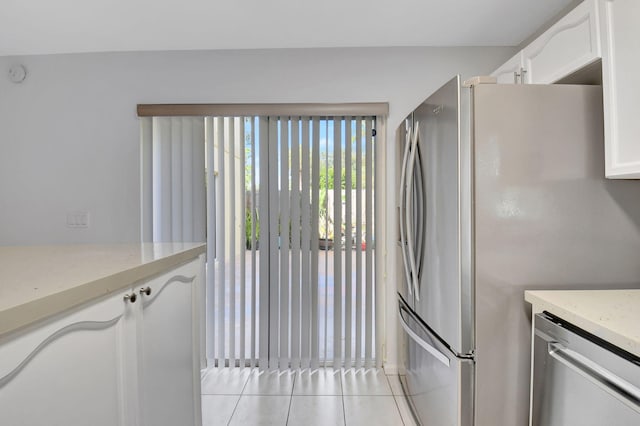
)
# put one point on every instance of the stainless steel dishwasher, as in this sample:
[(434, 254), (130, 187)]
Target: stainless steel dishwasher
[(581, 380)]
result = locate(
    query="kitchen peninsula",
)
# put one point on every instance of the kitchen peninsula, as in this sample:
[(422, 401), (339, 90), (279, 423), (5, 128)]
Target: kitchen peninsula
[(93, 334)]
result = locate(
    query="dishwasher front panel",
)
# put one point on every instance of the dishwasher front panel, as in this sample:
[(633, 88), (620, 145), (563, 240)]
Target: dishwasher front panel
[(580, 380)]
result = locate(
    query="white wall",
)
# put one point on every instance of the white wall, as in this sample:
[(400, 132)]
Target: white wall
[(69, 133)]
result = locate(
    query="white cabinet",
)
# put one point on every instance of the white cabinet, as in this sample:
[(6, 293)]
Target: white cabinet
[(131, 359), (168, 349), (621, 88), (569, 45), (511, 71), (69, 371)]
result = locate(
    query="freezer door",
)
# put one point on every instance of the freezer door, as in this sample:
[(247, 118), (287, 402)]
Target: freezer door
[(439, 385), (444, 293)]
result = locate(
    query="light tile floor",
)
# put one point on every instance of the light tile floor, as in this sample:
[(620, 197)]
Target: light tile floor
[(235, 396)]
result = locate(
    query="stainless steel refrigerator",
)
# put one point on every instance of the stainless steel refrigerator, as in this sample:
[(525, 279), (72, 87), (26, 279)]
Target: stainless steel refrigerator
[(502, 189)]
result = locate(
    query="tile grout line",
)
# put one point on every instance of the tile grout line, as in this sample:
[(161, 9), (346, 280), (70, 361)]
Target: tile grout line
[(239, 397), (295, 375), (395, 401), (344, 410)]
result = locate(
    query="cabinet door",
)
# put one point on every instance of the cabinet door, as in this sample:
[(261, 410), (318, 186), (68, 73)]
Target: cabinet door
[(69, 371), (570, 44), (169, 348), (621, 90), (510, 71)]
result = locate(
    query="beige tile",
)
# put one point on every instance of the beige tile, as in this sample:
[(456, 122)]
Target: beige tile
[(365, 382), (323, 381), (258, 410), (371, 411), (224, 381), (316, 410), (270, 383), (217, 409)]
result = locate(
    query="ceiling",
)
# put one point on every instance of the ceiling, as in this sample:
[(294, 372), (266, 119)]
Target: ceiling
[(66, 26)]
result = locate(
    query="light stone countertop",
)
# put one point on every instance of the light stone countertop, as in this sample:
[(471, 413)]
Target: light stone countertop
[(613, 315), (40, 281)]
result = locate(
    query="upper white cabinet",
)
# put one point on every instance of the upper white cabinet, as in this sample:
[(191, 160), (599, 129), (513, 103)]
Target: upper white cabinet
[(594, 30), (620, 21), (569, 45), (511, 71)]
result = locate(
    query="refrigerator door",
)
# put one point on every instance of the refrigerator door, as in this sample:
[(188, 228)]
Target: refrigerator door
[(439, 385), (444, 292)]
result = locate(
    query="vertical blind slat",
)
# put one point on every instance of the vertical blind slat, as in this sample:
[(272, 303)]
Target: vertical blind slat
[(358, 292), (146, 179), (210, 317), (199, 209), (274, 273), (328, 303), (337, 242), (285, 307), (254, 288), (295, 242), (348, 246), (162, 176), (187, 179), (176, 179), (241, 238), (369, 244), (233, 223), (315, 183), (378, 168), (222, 237), (263, 308), (305, 264)]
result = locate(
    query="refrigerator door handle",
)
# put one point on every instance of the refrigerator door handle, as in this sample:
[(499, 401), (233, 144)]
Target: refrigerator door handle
[(420, 214), (423, 344), (605, 379), (408, 209), (403, 195)]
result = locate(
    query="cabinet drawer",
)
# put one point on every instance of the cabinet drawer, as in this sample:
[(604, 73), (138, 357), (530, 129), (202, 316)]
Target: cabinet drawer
[(567, 46)]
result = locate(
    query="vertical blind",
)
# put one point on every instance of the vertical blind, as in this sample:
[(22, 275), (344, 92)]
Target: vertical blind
[(173, 182), (289, 228)]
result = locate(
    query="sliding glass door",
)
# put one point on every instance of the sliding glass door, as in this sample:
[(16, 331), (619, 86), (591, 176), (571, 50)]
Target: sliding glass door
[(291, 236)]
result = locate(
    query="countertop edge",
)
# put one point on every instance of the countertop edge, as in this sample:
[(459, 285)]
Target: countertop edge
[(539, 304), (16, 318)]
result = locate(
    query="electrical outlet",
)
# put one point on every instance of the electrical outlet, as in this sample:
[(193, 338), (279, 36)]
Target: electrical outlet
[(78, 220)]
